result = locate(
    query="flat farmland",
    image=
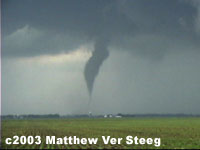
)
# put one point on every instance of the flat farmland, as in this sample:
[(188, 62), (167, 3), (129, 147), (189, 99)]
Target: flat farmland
[(175, 133)]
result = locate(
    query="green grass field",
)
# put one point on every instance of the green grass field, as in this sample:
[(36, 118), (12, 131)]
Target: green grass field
[(174, 132)]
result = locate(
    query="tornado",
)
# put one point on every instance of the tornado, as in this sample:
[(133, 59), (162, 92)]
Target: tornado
[(94, 63)]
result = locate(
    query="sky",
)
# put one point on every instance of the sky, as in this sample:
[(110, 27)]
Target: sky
[(103, 56)]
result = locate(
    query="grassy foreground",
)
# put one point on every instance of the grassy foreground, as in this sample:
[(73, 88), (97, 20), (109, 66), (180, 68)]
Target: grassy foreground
[(174, 132)]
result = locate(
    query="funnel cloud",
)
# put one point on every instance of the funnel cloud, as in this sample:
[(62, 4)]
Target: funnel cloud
[(93, 65)]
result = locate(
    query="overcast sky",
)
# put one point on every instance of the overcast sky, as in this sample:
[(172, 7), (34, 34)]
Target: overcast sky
[(147, 57)]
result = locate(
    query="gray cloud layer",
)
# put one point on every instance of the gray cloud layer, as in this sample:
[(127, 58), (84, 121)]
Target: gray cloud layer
[(56, 26)]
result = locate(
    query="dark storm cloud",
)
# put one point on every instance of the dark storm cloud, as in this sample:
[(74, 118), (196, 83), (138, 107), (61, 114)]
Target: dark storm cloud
[(65, 24)]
